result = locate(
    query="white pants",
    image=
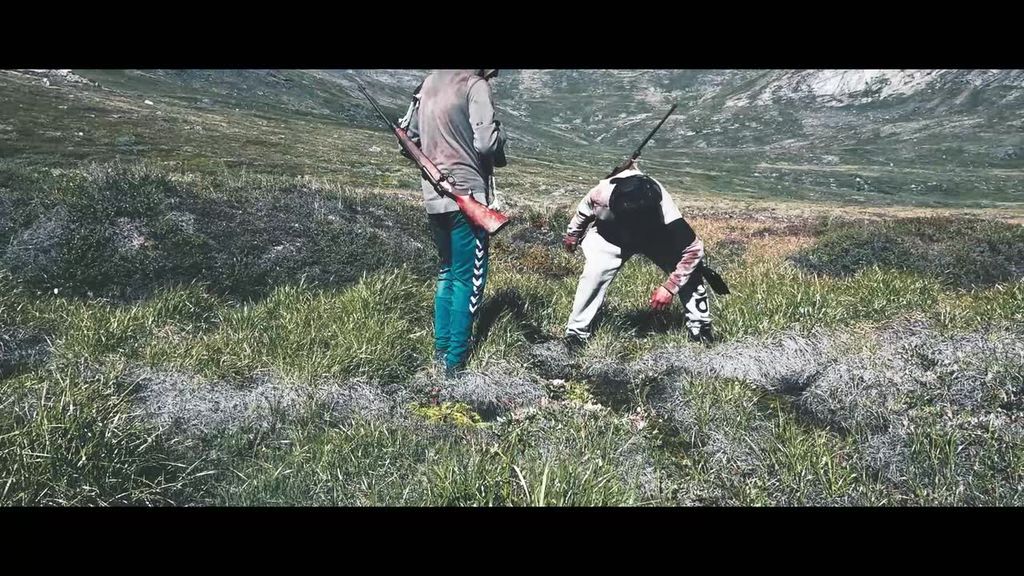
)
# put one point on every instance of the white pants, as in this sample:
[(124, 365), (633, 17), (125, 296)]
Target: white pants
[(604, 260)]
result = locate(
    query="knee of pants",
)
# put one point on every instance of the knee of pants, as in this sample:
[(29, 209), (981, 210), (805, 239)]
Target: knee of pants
[(459, 280), (595, 276), (589, 278)]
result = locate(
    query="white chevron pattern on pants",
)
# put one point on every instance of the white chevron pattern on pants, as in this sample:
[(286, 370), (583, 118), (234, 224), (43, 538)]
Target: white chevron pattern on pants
[(478, 278)]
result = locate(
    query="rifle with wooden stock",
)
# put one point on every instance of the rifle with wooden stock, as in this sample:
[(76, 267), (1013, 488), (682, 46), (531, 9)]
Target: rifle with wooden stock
[(478, 214)]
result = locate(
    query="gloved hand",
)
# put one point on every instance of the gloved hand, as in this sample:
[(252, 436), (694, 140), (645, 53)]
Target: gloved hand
[(660, 298), (570, 241)]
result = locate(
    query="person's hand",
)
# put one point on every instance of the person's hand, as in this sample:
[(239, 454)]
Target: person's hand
[(660, 298), (570, 241)]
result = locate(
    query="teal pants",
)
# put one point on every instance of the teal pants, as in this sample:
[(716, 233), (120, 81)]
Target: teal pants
[(463, 250)]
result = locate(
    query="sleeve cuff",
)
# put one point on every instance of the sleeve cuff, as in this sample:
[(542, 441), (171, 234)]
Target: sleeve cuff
[(671, 287)]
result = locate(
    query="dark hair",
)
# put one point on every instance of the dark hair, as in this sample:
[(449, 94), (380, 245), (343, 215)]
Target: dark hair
[(636, 200)]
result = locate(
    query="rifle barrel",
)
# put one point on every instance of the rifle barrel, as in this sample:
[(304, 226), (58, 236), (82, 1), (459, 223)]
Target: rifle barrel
[(375, 106), (636, 154)]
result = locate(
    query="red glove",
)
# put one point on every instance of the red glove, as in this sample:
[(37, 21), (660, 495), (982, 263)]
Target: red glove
[(661, 298), (570, 241)]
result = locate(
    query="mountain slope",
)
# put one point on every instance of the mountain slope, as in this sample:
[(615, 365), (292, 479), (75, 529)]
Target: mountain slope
[(914, 136)]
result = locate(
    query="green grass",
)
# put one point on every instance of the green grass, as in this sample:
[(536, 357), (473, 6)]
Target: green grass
[(376, 328), (243, 250), (530, 290), (759, 453), (70, 436), (531, 462), (122, 231), (957, 251)]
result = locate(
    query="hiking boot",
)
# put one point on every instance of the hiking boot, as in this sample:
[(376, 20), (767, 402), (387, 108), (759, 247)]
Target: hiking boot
[(454, 371), (574, 344), (439, 360), (704, 335)]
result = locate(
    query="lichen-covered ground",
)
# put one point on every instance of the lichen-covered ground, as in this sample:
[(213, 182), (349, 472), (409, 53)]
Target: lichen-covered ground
[(171, 337)]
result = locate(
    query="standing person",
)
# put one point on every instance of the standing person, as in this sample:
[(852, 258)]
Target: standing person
[(452, 120)]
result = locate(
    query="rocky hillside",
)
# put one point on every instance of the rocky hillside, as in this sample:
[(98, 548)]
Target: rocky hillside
[(962, 117), (871, 135)]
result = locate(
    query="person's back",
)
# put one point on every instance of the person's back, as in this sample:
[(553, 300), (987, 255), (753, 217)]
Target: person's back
[(633, 213), (452, 117), (457, 131)]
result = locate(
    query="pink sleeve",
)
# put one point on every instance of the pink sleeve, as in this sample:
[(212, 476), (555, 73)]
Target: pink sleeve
[(584, 212), (687, 264)]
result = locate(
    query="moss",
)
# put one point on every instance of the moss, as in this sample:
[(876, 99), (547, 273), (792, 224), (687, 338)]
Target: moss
[(456, 413)]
